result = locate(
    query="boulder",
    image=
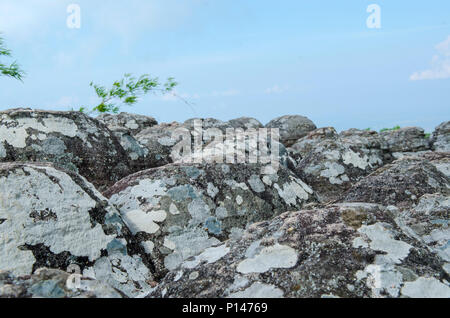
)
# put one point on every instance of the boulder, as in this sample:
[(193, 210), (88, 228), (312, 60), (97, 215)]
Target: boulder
[(441, 137), (428, 222), (292, 128), (133, 123), (56, 219), (179, 210), (408, 139), (361, 138), (245, 123), (346, 250), (53, 283), (332, 167), (159, 141), (71, 140), (305, 145), (400, 183)]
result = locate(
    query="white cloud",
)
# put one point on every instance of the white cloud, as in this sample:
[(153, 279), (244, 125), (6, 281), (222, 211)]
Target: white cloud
[(25, 19), (440, 64), (276, 89)]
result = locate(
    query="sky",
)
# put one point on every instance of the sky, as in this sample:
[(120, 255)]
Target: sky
[(236, 58)]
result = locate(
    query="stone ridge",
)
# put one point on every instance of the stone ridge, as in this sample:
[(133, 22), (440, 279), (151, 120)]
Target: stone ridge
[(349, 214)]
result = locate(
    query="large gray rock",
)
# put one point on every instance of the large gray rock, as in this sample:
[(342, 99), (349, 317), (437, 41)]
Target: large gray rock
[(178, 210), (292, 128), (53, 283), (71, 140), (441, 137), (56, 219), (428, 222), (305, 145), (245, 123), (408, 139), (133, 123), (347, 250), (362, 138), (400, 183), (159, 141), (332, 167)]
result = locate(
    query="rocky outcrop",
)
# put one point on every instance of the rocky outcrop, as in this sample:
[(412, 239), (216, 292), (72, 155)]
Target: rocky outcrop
[(408, 139), (292, 128), (133, 123), (56, 219), (441, 137), (53, 283), (179, 210), (401, 183), (347, 250), (332, 167), (223, 212), (305, 145), (245, 123), (71, 140)]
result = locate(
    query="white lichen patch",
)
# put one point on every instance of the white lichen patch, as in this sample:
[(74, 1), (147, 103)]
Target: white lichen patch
[(151, 190), (212, 190), (140, 221), (276, 256), (210, 255), (122, 272), (382, 239), (14, 132), (68, 230), (256, 184), (188, 243), (382, 279), (334, 172), (426, 288), (352, 158), (173, 209), (293, 191), (259, 290)]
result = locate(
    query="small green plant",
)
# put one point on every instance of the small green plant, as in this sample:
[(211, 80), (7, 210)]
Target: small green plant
[(427, 136), (12, 70), (391, 129), (368, 129), (127, 92)]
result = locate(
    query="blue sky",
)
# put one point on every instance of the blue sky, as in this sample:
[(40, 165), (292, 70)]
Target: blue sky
[(240, 58)]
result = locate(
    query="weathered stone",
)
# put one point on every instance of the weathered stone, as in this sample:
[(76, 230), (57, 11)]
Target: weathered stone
[(332, 167), (53, 283), (408, 139), (206, 123), (179, 210), (133, 123), (245, 123), (292, 128), (429, 222), (361, 138), (441, 137), (159, 141), (346, 250), (401, 183), (305, 145), (71, 140), (51, 218)]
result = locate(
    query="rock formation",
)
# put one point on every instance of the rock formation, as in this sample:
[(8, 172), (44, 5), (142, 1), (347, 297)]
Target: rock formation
[(108, 205)]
